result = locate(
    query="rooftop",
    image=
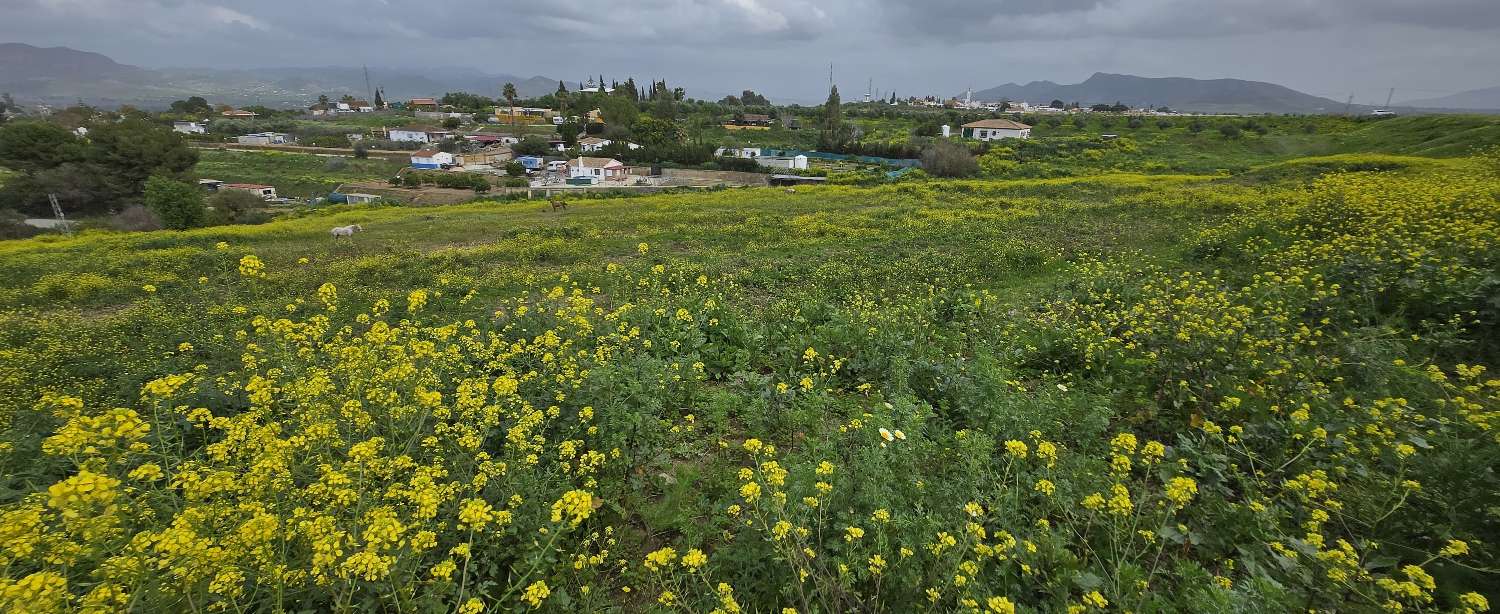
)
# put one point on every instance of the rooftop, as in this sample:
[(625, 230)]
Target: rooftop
[(1001, 124), (598, 162)]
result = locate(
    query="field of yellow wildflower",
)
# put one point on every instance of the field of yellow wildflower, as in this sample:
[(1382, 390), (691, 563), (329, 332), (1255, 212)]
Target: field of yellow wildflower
[(1115, 393)]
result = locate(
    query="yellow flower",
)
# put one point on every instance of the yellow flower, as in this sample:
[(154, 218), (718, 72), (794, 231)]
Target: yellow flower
[(750, 491), (694, 559), (536, 593), (1045, 487), (1455, 547), (1000, 605), (251, 266), (660, 559), (149, 288), (886, 434), (643, 248), (1016, 449), (576, 505), (1096, 599), (1180, 490)]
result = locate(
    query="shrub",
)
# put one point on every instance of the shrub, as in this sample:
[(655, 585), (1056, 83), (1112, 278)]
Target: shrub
[(135, 218), (1230, 131), (234, 205), (946, 159), (178, 204)]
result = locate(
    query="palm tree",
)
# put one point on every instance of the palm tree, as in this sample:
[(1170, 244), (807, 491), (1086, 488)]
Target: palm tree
[(510, 98)]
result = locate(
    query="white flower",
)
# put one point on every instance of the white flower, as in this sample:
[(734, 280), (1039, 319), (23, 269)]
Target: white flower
[(1062, 387), (886, 434), (900, 435)]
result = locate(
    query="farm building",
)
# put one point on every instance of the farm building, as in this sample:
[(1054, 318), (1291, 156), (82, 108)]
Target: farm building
[(189, 127), (321, 109), (995, 129), (410, 135), (355, 106), (423, 104), (431, 159), (597, 169), (240, 114), (530, 163), (737, 152), (489, 156), (523, 114), (492, 139), (789, 162), (263, 138), (264, 191), (357, 198)]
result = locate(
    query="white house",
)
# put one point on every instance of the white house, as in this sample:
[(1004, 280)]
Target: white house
[(321, 109), (793, 162), (598, 169), (411, 135), (995, 129), (738, 152), (190, 127), (263, 138), (593, 143), (431, 158), (264, 191)]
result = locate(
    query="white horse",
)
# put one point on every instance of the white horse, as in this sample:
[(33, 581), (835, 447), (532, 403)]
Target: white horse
[(346, 231)]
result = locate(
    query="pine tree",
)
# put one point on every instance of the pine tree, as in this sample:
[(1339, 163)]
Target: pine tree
[(834, 132), (379, 99)]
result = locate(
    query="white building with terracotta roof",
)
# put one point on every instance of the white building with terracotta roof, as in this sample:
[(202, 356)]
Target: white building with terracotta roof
[(598, 169), (431, 159), (995, 129)]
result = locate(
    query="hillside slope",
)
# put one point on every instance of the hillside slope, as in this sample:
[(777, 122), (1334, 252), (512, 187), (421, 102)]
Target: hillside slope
[(1203, 95), (59, 75)]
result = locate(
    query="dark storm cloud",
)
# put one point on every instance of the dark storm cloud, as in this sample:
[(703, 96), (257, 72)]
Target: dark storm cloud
[(785, 46), (1156, 19)]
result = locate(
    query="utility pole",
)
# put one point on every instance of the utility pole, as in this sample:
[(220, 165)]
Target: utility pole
[(1388, 96), (369, 93), (1348, 103)]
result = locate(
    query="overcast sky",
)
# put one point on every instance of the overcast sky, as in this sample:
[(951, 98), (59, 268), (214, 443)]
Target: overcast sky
[(1332, 48)]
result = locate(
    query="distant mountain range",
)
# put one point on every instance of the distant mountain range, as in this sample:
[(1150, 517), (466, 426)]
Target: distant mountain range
[(1179, 93), (1487, 99), (60, 75)]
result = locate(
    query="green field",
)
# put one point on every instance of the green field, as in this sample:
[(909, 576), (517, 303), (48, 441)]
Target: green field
[(1191, 374), (294, 175)]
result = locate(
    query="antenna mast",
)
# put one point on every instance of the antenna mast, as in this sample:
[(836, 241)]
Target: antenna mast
[(368, 92), (1388, 96)]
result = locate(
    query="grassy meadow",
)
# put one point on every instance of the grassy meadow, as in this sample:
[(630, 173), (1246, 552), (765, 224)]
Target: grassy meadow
[(1229, 383), (293, 174)]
